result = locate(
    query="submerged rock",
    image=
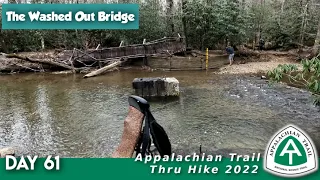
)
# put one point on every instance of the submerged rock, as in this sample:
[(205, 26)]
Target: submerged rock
[(7, 151)]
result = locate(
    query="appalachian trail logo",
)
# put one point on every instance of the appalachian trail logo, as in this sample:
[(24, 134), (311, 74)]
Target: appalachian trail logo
[(291, 153)]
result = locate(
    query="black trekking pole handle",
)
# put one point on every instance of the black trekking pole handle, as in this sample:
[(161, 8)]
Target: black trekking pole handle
[(139, 103), (151, 129)]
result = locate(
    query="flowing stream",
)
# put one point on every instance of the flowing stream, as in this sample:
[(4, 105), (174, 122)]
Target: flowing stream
[(44, 114)]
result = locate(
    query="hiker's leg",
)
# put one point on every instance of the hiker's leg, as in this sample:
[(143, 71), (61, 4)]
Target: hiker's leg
[(130, 135), (232, 59)]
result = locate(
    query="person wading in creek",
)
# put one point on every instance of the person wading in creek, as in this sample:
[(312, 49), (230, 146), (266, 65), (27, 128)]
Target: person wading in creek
[(230, 52), (134, 140)]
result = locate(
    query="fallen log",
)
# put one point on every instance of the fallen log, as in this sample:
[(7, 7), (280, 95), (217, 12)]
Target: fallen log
[(43, 61), (104, 69)]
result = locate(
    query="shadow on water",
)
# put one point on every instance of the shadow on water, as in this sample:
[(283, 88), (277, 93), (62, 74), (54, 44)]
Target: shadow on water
[(74, 117)]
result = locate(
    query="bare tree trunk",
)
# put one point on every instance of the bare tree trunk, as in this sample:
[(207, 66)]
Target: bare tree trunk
[(42, 42), (169, 4), (184, 21), (282, 11), (316, 46), (282, 6), (304, 23), (262, 4), (258, 32)]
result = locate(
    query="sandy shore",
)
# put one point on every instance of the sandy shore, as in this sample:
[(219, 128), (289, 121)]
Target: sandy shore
[(257, 67)]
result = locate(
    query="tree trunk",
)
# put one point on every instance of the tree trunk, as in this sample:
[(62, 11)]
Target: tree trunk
[(170, 22), (42, 42), (258, 36), (184, 22), (282, 6), (316, 46), (304, 22), (282, 11)]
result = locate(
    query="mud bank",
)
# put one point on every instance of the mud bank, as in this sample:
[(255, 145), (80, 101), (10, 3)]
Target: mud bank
[(257, 65)]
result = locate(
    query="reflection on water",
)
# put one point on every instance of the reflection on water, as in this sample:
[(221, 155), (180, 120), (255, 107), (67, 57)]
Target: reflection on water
[(73, 117)]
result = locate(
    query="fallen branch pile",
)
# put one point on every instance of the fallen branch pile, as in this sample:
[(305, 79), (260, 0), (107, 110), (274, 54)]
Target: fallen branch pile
[(44, 61), (97, 61)]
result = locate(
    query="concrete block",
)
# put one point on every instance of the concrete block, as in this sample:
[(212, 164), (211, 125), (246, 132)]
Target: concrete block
[(156, 87)]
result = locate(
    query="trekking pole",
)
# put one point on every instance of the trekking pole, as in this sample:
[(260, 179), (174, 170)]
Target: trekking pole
[(152, 131)]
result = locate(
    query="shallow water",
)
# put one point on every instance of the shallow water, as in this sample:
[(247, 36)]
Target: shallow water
[(73, 117)]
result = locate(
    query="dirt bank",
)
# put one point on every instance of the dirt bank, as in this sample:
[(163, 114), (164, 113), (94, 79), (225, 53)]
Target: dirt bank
[(257, 65)]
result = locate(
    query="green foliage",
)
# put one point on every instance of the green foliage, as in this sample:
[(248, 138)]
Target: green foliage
[(284, 25), (308, 77), (208, 24), (152, 25), (215, 22)]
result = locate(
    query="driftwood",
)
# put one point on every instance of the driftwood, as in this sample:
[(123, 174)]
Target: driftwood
[(121, 44), (64, 72), (104, 69), (43, 61)]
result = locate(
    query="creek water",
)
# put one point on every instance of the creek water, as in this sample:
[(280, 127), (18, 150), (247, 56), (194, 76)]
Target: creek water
[(66, 115)]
